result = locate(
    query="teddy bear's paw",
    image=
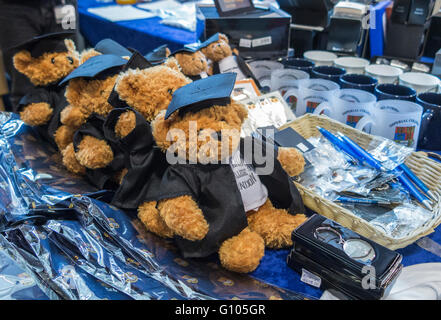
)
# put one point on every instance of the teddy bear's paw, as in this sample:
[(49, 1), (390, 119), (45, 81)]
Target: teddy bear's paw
[(70, 161), (291, 160), (94, 153), (149, 216), (72, 117), (243, 252), (36, 114), (275, 226), (184, 217), (125, 124), (63, 136)]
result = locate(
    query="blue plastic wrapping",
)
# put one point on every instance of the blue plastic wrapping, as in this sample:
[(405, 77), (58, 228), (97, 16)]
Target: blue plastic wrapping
[(63, 234)]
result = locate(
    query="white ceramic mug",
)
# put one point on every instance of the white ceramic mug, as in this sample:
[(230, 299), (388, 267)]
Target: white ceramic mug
[(262, 70), (397, 120), (285, 80), (384, 73), (320, 58), (420, 82), (353, 65), (311, 93), (349, 106)]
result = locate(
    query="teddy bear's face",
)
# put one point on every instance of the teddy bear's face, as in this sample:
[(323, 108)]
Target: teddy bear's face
[(150, 90), (192, 64), (218, 50), (48, 68), (217, 128), (91, 96)]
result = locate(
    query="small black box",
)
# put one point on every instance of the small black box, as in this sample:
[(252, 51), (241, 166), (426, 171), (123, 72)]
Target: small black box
[(329, 256), (420, 11), (261, 34), (413, 47), (400, 11)]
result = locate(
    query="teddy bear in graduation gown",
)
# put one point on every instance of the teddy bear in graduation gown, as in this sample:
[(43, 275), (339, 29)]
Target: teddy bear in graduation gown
[(46, 60), (212, 200)]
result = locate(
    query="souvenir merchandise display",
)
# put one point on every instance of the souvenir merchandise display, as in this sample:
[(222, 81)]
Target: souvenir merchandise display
[(226, 165)]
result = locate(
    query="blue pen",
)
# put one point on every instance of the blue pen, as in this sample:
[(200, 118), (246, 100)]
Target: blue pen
[(362, 154), (367, 201), (369, 159), (338, 144), (416, 180)]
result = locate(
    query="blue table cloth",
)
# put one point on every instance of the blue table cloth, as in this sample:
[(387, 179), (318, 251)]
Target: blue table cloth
[(143, 35)]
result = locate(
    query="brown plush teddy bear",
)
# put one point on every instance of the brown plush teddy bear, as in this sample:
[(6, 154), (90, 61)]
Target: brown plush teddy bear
[(222, 58), (87, 93), (46, 60), (215, 198), (147, 90), (193, 63)]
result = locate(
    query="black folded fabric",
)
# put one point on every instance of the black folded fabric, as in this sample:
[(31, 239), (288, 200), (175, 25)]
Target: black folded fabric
[(145, 162), (101, 178)]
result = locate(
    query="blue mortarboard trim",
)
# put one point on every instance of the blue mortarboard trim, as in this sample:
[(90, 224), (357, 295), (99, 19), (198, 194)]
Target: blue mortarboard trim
[(109, 46), (185, 49), (157, 55), (94, 66), (204, 93), (209, 41), (198, 46)]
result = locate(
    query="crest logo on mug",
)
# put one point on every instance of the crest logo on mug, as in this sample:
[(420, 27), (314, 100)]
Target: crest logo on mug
[(405, 135)]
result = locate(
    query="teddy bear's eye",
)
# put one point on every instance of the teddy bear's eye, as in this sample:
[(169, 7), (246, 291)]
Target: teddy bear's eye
[(70, 60), (170, 91), (53, 60)]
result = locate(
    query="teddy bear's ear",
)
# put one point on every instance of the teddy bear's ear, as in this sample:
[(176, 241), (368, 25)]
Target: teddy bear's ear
[(22, 60), (70, 45), (223, 37), (167, 52), (160, 129)]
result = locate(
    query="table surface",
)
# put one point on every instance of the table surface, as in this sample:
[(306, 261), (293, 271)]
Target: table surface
[(143, 35)]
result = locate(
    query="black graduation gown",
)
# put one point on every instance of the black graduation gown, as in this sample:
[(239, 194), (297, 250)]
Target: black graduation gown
[(52, 95), (101, 178), (214, 188), (145, 162)]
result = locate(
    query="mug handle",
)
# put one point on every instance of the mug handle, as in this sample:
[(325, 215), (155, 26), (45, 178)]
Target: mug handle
[(322, 107), (363, 122), (290, 92), (425, 119)]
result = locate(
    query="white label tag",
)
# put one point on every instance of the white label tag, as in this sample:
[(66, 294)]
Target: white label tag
[(203, 75), (310, 278), (262, 41), (302, 147), (245, 43), (229, 64)]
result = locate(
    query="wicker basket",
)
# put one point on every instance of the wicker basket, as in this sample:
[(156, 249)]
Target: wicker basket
[(429, 171)]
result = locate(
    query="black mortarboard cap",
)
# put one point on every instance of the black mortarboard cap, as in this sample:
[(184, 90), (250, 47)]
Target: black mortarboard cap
[(203, 93), (94, 66), (109, 46), (50, 42), (158, 55)]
